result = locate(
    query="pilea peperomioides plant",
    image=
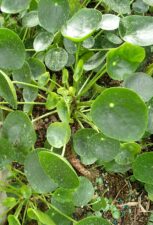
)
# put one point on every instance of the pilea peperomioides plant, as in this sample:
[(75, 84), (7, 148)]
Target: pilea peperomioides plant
[(54, 54)]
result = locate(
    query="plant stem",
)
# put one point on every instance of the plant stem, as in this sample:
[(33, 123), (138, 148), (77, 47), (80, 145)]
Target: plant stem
[(84, 84), (93, 81), (31, 85), (24, 103), (43, 116), (25, 34), (63, 151)]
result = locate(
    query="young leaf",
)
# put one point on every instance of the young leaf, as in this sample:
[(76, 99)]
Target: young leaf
[(78, 71), (53, 14), (41, 217), (30, 19), (103, 148), (13, 220), (7, 90), (137, 30), (124, 60), (52, 100), (143, 169), (82, 24), (63, 111), (58, 134), (58, 169), (84, 193), (110, 22), (42, 41), (56, 59), (119, 6), (12, 48), (93, 220), (120, 114), (36, 176), (80, 143), (142, 84), (15, 6)]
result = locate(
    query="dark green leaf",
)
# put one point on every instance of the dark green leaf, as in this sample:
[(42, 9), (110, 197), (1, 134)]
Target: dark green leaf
[(120, 114), (36, 176), (12, 51), (143, 168), (53, 14), (59, 170)]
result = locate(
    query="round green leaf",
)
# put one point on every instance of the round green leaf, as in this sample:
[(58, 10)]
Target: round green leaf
[(43, 41), (58, 218), (143, 168), (22, 75), (12, 51), (142, 84), (113, 38), (18, 129), (70, 46), (7, 153), (63, 195), (110, 22), (120, 114), (119, 6), (140, 6), (53, 14), (7, 90), (84, 193), (56, 59), (58, 169), (58, 134), (93, 220), (94, 61), (81, 144), (37, 67), (30, 19), (15, 6), (89, 42), (124, 60), (36, 176), (116, 168), (137, 30), (103, 148), (149, 2), (82, 24)]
